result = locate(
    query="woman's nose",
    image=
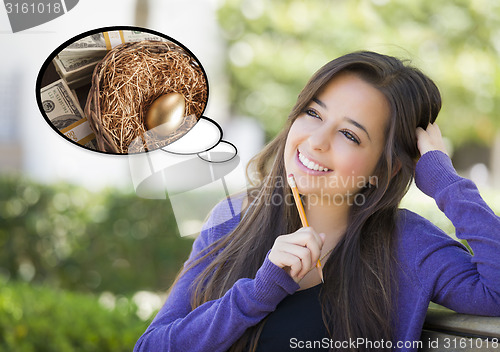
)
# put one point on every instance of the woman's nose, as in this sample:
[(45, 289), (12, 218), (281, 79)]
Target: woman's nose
[(320, 139)]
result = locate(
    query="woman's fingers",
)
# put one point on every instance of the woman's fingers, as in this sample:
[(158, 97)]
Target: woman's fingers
[(293, 265), (306, 236), (430, 139), (304, 256), (297, 252)]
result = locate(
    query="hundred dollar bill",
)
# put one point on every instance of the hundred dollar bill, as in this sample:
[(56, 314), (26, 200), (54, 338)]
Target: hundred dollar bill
[(57, 101), (64, 112), (72, 68)]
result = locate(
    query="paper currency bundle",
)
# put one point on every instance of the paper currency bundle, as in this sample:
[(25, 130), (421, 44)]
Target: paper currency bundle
[(127, 81), (64, 112)]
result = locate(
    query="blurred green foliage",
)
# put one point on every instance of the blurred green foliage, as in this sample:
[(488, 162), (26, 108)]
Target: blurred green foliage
[(275, 46), (34, 318), (64, 236), (67, 237)]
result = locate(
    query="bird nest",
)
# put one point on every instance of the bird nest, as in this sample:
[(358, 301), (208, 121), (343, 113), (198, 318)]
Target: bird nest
[(128, 80)]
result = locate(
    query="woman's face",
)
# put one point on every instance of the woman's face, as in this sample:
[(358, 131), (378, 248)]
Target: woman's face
[(333, 146)]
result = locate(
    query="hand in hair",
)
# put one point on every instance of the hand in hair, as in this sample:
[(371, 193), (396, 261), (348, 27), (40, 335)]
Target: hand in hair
[(297, 252), (430, 139)]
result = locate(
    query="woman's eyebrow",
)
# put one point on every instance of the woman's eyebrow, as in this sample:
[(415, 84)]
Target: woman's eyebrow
[(320, 103), (348, 119), (358, 125)]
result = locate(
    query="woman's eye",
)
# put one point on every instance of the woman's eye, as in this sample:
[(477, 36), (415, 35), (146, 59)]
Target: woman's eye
[(312, 113), (350, 136)]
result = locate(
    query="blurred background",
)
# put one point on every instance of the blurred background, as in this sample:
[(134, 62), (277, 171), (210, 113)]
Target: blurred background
[(84, 262)]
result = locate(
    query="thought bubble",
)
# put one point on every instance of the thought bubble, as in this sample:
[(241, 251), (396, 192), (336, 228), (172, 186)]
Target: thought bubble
[(182, 157), (104, 88)]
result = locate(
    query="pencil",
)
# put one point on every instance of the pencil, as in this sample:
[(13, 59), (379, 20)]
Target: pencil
[(302, 214)]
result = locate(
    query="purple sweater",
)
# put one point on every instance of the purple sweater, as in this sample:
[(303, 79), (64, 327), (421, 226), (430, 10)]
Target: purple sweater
[(433, 267)]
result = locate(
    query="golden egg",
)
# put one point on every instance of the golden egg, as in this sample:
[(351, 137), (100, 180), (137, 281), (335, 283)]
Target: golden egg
[(166, 113)]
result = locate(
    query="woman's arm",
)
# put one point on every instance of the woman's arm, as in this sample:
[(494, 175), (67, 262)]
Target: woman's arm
[(456, 279), (217, 324)]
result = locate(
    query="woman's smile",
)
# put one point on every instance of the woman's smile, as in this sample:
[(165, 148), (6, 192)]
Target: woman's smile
[(310, 165)]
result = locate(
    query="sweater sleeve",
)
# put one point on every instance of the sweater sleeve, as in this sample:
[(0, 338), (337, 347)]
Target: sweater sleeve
[(217, 324), (453, 277)]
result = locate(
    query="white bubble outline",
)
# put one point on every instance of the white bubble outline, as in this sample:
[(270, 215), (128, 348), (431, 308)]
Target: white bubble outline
[(223, 161), (221, 133)]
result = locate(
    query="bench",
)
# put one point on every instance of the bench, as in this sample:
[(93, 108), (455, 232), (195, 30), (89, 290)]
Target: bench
[(446, 330)]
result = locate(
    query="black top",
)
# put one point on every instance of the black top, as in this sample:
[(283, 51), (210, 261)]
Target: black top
[(296, 324)]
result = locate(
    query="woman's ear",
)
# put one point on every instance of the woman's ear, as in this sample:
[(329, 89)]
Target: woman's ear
[(373, 181), (397, 167)]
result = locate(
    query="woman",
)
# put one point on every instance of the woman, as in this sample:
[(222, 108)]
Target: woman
[(352, 142)]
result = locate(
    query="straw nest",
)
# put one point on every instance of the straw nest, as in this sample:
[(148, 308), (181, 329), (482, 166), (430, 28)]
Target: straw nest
[(127, 81)]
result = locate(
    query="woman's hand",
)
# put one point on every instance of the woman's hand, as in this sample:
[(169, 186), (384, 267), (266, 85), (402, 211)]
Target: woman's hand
[(430, 139), (297, 252)]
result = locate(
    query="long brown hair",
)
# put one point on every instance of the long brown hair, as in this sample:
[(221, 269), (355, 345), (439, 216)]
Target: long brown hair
[(359, 292)]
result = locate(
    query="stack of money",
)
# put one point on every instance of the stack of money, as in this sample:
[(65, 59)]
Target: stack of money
[(65, 113), (75, 63), (76, 71)]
